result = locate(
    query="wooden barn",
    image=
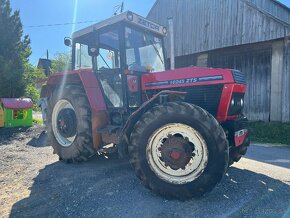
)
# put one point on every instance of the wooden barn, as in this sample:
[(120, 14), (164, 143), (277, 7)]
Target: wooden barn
[(250, 35)]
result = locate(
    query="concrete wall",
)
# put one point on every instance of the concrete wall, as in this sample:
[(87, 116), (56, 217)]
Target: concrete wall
[(286, 82), (276, 81)]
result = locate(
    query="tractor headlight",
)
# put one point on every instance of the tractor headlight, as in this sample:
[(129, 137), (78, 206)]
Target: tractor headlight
[(232, 102), (237, 104)]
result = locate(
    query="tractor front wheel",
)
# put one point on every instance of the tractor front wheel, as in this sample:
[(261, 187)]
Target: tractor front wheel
[(179, 150), (69, 124)]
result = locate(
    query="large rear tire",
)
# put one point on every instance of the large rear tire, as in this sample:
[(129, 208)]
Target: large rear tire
[(179, 150), (69, 124)]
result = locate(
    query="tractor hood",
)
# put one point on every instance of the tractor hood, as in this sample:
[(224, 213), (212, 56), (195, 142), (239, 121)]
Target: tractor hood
[(191, 76)]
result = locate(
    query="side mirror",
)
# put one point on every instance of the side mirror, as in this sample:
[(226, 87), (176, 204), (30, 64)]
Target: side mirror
[(93, 51), (68, 41)]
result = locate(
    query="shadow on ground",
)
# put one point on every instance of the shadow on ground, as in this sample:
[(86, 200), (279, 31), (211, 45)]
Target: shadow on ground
[(39, 141), (35, 135), (109, 188)]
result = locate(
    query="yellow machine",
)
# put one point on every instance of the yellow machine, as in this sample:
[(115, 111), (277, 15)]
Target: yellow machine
[(1, 116)]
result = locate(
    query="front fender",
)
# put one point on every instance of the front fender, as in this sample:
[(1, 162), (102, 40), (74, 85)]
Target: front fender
[(166, 95)]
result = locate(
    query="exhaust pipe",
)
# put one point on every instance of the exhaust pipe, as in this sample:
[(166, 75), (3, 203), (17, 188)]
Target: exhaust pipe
[(171, 32)]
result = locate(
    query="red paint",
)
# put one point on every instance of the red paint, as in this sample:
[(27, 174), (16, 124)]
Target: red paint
[(89, 82), (186, 73), (239, 139), (226, 100), (175, 155), (17, 103), (132, 82), (93, 90)]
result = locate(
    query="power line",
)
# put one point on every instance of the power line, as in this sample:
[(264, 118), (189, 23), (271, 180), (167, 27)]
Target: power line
[(61, 24)]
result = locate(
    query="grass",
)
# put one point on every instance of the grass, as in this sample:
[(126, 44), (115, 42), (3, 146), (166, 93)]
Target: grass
[(37, 121), (273, 132)]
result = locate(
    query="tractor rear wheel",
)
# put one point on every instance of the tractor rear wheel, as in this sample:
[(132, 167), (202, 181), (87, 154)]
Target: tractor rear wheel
[(69, 124), (179, 150)]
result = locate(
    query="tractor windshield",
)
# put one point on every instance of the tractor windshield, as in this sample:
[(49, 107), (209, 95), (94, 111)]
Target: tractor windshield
[(144, 51)]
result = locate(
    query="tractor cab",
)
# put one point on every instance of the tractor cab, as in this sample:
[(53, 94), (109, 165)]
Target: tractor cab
[(120, 50)]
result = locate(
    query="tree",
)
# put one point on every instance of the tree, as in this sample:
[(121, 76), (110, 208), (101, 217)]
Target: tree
[(61, 62), (14, 52), (33, 78)]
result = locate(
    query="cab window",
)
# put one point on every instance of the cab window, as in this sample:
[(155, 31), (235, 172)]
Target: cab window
[(144, 51), (82, 58), (109, 52)]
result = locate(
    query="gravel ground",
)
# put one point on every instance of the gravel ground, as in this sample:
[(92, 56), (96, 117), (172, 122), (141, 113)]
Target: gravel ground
[(33, 183)]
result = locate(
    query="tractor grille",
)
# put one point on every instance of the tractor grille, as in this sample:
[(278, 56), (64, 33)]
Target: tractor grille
[(207, 97), (239, 77)]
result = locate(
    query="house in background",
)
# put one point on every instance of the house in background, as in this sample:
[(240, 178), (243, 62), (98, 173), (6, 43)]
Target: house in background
[(248, 35), (44, 64)]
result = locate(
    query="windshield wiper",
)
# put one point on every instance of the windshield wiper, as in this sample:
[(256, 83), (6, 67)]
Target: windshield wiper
[(105, 61), (156, 50)]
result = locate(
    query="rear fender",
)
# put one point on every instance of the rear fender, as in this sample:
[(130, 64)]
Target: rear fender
[(88, 80)]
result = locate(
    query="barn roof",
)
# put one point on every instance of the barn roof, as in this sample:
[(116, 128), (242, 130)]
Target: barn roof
[(203, 25), (17, 103)]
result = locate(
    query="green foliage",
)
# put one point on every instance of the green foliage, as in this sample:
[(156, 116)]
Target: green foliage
[(273, 132), (61, 62), (33, 79), (37, 121), (14, 52)]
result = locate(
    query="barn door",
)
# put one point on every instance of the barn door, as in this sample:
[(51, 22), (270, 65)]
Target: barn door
[(257, 67)]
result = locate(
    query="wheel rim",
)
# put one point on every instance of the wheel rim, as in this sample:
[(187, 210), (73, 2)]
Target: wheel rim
[(177, 153), (64, 123)]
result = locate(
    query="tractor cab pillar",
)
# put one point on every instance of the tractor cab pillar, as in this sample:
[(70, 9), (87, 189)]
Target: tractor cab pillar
[(120, 52)]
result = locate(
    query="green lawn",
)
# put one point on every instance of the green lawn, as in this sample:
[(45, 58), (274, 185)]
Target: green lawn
[(273, 132)]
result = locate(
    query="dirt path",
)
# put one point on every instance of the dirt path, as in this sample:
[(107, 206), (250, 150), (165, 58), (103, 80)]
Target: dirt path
[(22, 156), (35, 184)]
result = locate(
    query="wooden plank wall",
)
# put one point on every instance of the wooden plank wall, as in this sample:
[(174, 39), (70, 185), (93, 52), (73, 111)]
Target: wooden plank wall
[(257, 67), (203, 25), (275, 8), (255, 61)]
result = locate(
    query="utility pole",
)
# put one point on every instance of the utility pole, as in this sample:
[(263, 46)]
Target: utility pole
[(122, 7)]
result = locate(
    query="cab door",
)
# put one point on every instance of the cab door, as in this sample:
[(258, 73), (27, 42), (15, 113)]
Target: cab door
[(108, 68)]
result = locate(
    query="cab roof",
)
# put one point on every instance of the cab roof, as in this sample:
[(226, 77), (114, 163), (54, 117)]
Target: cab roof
[(128, 17)]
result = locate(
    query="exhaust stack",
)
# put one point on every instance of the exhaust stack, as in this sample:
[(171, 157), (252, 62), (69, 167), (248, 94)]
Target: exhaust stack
[(171, 32)]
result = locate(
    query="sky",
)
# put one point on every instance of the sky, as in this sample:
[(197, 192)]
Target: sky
[(35, 13), (44, 12)]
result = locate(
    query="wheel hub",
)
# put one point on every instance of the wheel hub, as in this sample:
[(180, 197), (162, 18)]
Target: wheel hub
[(66, 122), (176, 152)]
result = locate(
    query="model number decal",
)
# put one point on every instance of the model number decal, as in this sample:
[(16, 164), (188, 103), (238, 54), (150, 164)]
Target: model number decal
[(185, 81)]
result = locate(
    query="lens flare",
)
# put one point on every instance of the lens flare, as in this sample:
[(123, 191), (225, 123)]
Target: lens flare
[(64, 78)]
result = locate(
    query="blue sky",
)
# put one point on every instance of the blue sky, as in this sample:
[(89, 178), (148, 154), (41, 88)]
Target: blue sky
[(42, 12)]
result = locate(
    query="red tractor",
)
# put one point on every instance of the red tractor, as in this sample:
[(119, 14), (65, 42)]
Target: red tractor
[(180, 128)]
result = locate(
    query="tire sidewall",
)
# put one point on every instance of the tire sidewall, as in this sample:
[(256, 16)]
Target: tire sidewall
[(216, 154), (71, 151)]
